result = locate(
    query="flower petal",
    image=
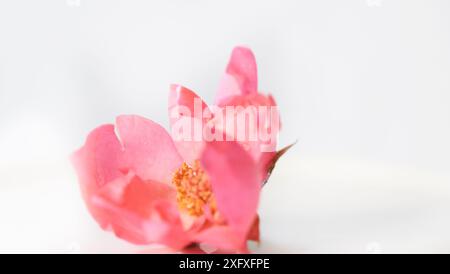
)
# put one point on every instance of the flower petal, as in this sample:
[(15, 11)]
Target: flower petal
[(236, 184), (186, 110), (100, 160), (148, 149), (135, 195), (166, 227), (264, 126), (127, 203), (97, 163), (162, 225), (182, 96), (241, 75)]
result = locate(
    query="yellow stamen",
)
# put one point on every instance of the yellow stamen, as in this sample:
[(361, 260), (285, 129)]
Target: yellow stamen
[(193, 189)]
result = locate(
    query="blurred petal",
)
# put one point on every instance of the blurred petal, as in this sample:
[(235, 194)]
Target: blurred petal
[(181, 96), (236, 184), (181, 100), (148, 149), (138, 230), (140, 212), (257, 148), (166, 226), (135, 195), (100, 160), (240, 76), (97, 163)]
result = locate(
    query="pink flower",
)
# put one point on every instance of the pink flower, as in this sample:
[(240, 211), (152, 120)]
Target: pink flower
[(148, 187)]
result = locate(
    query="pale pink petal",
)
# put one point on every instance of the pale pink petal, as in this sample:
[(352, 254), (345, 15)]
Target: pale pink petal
[(148, 149), (122, 223), (240, 76), (182, 96), (257, 147), (236, 184), (190, 150), (100, 160), (186, 110), (97, 163), (135, 195), (166, 227), (135, 229), (249, 100), (141, 212)]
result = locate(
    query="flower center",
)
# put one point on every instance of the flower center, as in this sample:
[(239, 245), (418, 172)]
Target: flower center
[(193, 189)]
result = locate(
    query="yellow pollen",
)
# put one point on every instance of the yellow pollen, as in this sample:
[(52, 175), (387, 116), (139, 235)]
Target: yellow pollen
[(193, 189)]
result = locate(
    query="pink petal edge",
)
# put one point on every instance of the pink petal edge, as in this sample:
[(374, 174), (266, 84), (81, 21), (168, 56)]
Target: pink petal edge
[(240, 77), (148, 149), (182, 97), (236, 184)]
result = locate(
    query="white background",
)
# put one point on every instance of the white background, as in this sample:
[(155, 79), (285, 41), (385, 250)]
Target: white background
[(363, 85)]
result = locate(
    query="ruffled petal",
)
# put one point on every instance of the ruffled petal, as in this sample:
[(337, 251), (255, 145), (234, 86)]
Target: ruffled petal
[(236, 184), (140, 212), (148, 149), (240, 76)]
